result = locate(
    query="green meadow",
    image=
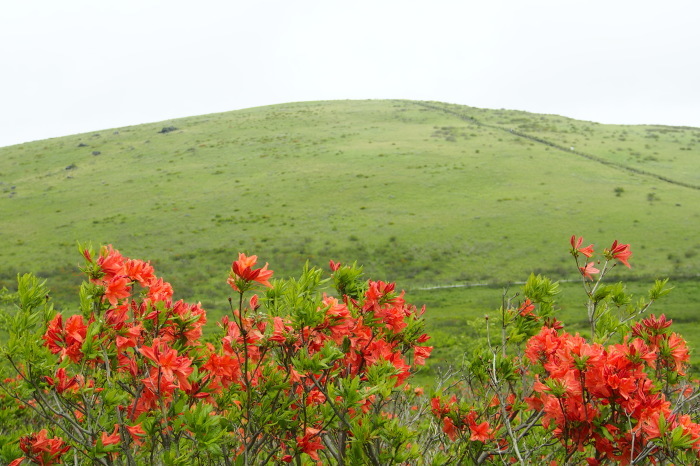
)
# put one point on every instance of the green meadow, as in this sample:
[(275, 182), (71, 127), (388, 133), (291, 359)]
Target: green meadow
[(426, 194)]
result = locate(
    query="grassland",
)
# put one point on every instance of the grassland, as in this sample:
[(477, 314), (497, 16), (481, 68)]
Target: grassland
[(422, 193)]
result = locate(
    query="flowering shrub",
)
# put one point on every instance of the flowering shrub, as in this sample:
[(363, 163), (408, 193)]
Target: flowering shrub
[(296, 375), (131, 380), (541, 395)]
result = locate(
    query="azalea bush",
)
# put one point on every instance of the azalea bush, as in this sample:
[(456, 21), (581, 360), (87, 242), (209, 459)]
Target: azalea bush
[(538, 394), (295, 375), (318, 369)]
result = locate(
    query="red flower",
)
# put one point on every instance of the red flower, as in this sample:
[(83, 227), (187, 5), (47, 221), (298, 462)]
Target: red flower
[(160, 290), (315, 397), (377, 294), (620, 252), (449, 428), (42, 450), (651, 327), (480, 432), (168, 364), (63, 383), (280, 330), (110, 439), (576, 248), (338, 318), (393, 317), (223, 368), (639, 351), (334, 265), (139, 271), (242, 273), (678, 351), (439, 408), (310, 443), (420, 353), (543, 345), (253, 302), (137, 433), (526, 308), (111, 262), (117, 288), (588, 270), (66, 341)]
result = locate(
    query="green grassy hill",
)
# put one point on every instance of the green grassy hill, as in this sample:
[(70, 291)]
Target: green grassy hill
[(422, 193)]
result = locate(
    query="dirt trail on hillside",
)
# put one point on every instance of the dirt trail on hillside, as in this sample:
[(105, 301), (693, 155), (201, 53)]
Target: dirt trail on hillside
[(595, 158)]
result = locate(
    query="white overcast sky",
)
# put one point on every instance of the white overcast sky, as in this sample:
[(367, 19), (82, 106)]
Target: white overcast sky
[(73, 66)]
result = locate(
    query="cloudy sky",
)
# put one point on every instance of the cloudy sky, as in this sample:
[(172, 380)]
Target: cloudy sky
[(76, 66)]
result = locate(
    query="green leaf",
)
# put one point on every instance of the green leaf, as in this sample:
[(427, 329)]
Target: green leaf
[(680, 439), (348, 281), (540, 289), (659, 289)]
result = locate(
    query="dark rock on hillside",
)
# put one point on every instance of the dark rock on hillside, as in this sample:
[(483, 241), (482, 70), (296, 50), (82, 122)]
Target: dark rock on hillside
[(167, 129), (96, 152)]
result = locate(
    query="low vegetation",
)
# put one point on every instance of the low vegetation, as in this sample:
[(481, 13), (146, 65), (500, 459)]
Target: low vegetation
[(313, 370)]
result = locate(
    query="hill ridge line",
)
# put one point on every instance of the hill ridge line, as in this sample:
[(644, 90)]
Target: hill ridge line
[(555, 146)]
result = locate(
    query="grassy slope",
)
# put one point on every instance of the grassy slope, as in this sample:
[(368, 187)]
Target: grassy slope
[(420, 194)]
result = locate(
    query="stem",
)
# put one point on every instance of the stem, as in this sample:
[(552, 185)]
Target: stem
[(565, 429), (246, 380), (591, 305), (124, 439), (504, 414), (330, 403)]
